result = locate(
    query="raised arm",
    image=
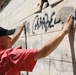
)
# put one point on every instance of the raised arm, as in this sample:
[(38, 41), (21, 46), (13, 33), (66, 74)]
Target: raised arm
[(51, 45), (16, 36)]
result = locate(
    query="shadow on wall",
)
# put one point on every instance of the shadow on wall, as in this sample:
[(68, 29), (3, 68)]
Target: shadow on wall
[(71, 41)]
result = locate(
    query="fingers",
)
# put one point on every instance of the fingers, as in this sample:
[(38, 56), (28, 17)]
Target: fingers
[(69, 17), (23, 25), (69, 24), (70, 21)]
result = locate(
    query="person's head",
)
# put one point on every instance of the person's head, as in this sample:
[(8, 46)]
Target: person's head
[(5, 40)]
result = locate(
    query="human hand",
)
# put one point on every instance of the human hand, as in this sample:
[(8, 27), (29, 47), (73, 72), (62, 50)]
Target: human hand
[(69, 24), (21, 26)]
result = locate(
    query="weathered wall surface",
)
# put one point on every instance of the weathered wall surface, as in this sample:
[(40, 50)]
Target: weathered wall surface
[(41, 27)]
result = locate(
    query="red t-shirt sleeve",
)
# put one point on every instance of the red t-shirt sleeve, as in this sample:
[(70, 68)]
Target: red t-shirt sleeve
[(23, 60)]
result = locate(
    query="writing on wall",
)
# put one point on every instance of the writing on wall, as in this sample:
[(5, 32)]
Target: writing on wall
[(49, 21), (44, 22)]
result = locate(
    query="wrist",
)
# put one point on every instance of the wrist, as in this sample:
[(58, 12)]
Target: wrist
[(20, 29), (63, 33)]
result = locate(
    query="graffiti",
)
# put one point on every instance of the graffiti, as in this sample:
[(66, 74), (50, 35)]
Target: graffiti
[(27, 24), (50, 20), (44, 22), (60, 66)]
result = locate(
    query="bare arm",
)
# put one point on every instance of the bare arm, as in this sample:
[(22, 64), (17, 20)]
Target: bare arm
[(52, 44), (16, 36)]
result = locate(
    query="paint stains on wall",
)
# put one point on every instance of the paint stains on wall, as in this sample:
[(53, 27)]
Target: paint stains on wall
[(64, 13)]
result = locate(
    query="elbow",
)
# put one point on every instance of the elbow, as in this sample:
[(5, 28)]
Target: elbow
[(44, 51)]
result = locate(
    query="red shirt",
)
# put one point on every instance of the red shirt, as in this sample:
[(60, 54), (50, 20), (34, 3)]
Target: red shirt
[(12, 61)]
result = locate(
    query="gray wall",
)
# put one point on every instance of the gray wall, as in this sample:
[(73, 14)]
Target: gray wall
[(41, 27)]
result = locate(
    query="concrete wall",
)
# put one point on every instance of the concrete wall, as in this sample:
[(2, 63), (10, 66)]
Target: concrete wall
[(42, 27)]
